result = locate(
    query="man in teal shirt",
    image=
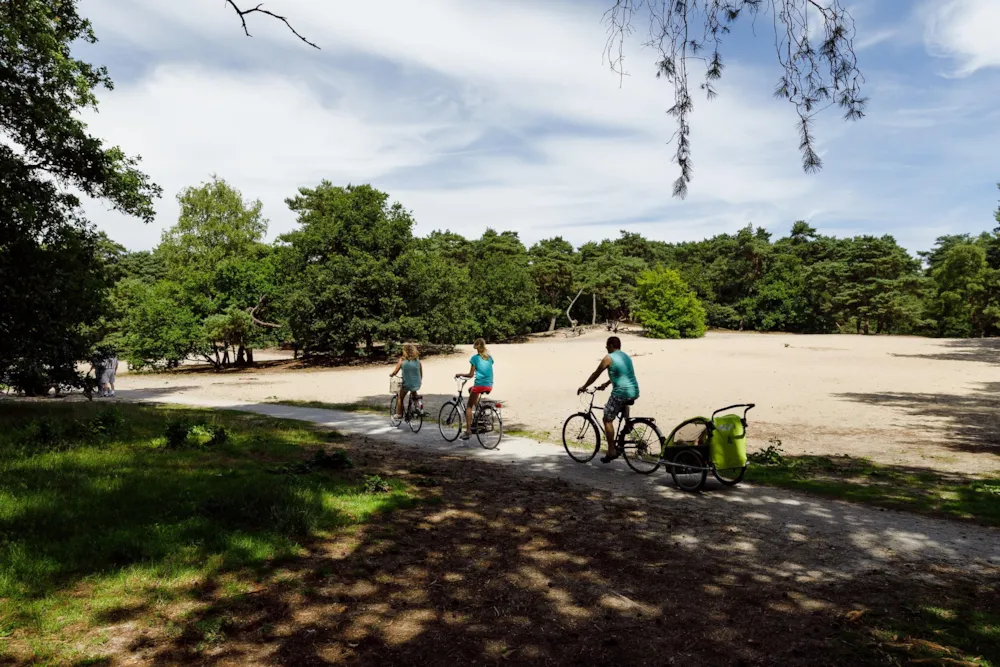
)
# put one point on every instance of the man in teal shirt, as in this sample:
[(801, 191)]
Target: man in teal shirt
[(626, 390)]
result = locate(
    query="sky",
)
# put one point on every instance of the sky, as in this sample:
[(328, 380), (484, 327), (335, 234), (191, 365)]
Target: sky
[(505, 114)]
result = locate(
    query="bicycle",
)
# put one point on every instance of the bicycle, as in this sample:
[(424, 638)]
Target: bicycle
[(636, 434), (413, 416), (487, 421)]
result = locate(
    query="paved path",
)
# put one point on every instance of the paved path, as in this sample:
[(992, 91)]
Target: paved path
[(774, 522)]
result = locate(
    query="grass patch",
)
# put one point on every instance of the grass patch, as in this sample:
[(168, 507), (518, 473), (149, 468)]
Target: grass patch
[(114, 514), (861, 480), (540, 436), (343, 407), (944, 634)]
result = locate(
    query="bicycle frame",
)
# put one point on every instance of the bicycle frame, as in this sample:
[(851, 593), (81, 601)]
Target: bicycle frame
[(462, 406), (624, 419)]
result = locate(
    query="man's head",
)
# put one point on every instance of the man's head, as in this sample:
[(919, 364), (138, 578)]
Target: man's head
[(614, 343)]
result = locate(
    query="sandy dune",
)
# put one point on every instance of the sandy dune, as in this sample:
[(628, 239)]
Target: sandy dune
[(905, 401)]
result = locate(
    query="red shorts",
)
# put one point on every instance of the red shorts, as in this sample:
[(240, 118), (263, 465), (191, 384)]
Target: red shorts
[(480, 390)]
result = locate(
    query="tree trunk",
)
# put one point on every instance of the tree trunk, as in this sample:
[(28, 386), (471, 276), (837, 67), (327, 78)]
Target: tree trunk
[(593, 309), (225, 357), (250, 356), (866, 326), (572, 322), (369, 344), (552, 323), (241, 356)]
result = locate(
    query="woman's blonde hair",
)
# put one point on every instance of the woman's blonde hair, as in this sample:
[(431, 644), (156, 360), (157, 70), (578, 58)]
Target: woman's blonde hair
[(410, 352), (480, 346)]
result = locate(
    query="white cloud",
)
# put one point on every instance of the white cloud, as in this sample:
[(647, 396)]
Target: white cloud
[(965, 31), (439, 102)]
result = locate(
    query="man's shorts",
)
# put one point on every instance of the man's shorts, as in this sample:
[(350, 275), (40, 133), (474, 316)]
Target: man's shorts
[(614, 406)]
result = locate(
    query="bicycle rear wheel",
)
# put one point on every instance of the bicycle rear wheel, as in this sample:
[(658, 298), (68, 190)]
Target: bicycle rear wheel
[(581, 437), (450, 421), (489, 430), (414, 416), (642, 446), (393, 411)]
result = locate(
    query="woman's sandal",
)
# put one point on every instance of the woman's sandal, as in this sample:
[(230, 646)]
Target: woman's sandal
[(608, 458)]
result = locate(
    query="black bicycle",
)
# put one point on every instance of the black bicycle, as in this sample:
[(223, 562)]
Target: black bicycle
[(487, 421), (413, 415), (582, 433)]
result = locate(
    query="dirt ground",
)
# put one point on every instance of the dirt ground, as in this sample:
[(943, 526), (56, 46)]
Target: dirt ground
[(897, 400), (502, 569)]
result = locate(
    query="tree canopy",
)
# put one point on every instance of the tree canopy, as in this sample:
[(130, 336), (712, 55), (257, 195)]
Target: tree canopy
[(53, 274)]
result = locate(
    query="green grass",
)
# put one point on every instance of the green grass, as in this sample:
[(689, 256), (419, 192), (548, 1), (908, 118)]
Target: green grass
[(894, 487), (99, 519), (344, 407), (945, 635)]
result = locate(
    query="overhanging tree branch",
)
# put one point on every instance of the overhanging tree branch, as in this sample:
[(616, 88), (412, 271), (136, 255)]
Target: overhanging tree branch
[(816, 75), (259, 9)]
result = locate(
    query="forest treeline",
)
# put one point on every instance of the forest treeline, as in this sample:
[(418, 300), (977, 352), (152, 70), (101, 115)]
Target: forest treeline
[(353, 275), (353, 279)]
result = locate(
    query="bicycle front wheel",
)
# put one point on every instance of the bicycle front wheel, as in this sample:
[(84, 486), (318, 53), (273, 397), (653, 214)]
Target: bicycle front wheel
[(415, 417), (490, 428), (450, 421), (642, 446), (581, 438), (394, 411)]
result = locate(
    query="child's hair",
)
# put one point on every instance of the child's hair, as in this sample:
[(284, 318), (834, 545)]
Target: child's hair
[(410, 352), (480, 346)]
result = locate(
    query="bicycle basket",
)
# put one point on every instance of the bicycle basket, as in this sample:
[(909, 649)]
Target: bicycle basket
[(728, 448), (395, 384)]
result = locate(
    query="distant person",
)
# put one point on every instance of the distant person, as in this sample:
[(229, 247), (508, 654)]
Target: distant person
[(481, 367), (625, 392), (108, 380), (97, 364), (413, 375)]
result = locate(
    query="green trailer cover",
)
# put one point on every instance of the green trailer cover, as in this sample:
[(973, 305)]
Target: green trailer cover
[(729, 442)]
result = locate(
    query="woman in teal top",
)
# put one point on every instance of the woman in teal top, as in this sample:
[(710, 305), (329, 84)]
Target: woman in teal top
[(413, 374), (626, 390), (480, 367)]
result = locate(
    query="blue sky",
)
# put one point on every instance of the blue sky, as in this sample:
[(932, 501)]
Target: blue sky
[(503, 114)]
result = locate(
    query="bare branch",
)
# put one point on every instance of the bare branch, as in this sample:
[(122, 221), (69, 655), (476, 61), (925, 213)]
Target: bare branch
[(259, 9), (253, 315)]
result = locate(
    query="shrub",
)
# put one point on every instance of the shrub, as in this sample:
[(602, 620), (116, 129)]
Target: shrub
[(375, 484), (667, 307)]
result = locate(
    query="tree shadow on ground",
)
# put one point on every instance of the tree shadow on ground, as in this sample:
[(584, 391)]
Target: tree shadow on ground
[(505, 570), (979, 350), (962, 422)]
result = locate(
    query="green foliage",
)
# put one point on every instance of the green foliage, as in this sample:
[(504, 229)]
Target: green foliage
[(554, 270), (53, 265), (502, 295), (158, 329), (667, 307), (375, 484)]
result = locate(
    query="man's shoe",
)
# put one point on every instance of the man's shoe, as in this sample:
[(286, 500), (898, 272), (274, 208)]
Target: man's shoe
[(608, 458)]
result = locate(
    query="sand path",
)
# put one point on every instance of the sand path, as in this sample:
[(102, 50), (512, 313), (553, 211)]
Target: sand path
[(901, 401), (805, 537)]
